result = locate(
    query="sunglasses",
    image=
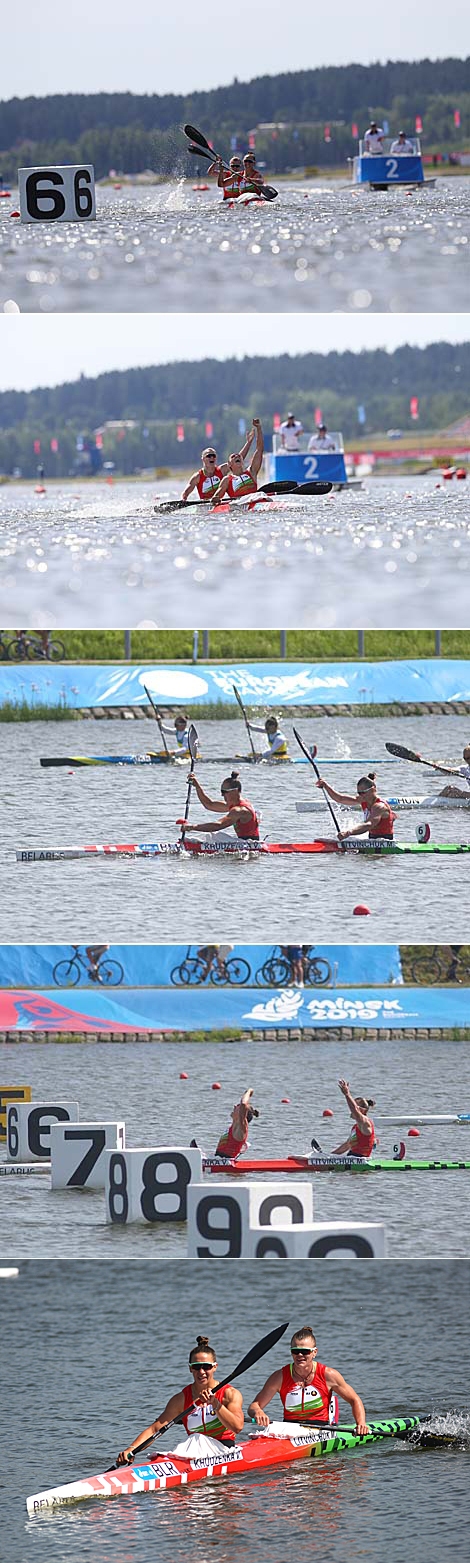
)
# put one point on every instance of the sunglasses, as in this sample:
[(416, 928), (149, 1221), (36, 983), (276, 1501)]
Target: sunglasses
[(210, 455), (201, 1367), (298, 1351)]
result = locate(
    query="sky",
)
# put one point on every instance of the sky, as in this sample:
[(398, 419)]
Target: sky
[(108, 45), (44, 350)]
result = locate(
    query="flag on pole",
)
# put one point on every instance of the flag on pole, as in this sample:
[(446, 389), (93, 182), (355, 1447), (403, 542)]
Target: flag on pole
[(414, 407), (180, 432)]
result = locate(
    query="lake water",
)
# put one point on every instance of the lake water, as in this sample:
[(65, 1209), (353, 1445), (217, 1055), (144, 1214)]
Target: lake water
[(281, 899), (95, 1350), (396, 552), (320, 246), (425, 1213)]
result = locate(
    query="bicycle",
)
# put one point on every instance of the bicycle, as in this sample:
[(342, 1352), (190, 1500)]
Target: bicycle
[(27, 648), (66, 973), (193, 970), (428, 968), (4, 648), (276, 972)]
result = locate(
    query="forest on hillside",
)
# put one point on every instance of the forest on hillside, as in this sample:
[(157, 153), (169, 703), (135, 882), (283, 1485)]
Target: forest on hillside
[(149, 405), (130, 132)]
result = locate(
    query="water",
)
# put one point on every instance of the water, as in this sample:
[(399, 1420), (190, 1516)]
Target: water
[(283, 899), (396, 552), (424, 1213), (319, 247), (83, 1383)]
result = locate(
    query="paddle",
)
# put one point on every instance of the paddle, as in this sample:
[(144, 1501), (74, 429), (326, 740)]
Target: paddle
[(311, 761), (157, 719), (417, 759), (260, 1350), (192, 134), (192, 746), (245, 719), (276, 486), (422, 1437)]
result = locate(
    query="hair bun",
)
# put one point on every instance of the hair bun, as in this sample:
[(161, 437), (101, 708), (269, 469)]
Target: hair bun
[(202, 1342)]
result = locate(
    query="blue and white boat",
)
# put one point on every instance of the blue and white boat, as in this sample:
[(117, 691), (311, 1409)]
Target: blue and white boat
[(309, 461), (389, 168)]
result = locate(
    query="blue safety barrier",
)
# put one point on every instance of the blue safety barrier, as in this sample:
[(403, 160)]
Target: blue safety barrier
[(303, 467), (156, 965), (260, 683), (209, 1008)]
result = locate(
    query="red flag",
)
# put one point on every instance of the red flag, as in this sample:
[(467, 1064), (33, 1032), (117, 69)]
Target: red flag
[(355, 131), (276, 422), (327, 133), (418, 124), (252, 141), (318, 416), (99, 441), (121, 434), (180, 432), (414, 407), (55, 446), (209, 430), (457, 118), (37, 447)]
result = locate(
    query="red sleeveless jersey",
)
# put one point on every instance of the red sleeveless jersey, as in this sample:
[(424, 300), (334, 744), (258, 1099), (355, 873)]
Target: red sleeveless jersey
[(204, 1419), (207, 482), (364, 1140), (242, 484), (229, 1146), (384, 827), (247, 830), (304, 1402), (233, 184)]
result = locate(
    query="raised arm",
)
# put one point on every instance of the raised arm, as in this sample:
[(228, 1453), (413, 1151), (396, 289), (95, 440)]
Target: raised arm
[(248, 442), (338, 797), (360, 1116), (255, 464)]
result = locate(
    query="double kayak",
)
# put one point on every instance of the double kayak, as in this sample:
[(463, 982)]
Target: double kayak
[(261, 1452), (238, 849), (213, 1164)]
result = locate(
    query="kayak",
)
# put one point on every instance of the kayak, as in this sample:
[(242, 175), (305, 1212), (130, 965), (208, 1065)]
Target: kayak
[(330, 1164), (401, 804), (260, 1452), (239, 849), (23, 1169), (158, 757)]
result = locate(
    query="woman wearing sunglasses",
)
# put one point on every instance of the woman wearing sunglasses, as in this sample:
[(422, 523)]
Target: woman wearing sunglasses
[(202, 1406), (378, 818), (307, 1388), (207, 478), (238, 812)]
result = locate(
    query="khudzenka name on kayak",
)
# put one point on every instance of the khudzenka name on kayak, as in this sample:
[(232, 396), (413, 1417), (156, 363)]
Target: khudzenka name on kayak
[(379, 817), (239, 813), (308, 1389), (216, 1412)]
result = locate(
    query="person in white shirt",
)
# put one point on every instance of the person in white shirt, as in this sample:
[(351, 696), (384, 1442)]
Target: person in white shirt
[(278, 748), (401, 145), (321, 441), (461, 770), (290, 432), (374, 140)]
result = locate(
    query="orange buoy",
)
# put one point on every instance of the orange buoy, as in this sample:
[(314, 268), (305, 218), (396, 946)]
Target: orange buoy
[(361, 911)]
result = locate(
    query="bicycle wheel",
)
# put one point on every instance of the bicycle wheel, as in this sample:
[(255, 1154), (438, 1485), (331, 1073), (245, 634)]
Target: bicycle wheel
[(66, 974), (276, 972), (191, 972), (56, 651), (317, 971), (426, 969), (234, 972), (110, 973), (18, 650)]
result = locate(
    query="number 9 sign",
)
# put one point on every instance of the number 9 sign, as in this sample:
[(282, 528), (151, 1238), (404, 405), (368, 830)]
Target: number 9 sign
[(51, 195)]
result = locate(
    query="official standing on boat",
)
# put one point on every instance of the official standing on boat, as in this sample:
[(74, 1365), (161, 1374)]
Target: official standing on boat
[(290, 432), (241, 480), (207, 478), (278, 748), (239, 813), (379, 817), (307, 1388), (218, 1413), (235, 1139), (361, 1140), (374, 140)]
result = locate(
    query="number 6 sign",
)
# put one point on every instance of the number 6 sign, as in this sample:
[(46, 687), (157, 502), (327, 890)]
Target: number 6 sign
[(54, 195)]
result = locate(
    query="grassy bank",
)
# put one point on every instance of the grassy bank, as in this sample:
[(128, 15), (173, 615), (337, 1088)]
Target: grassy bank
[(262, 645), (21, 711)]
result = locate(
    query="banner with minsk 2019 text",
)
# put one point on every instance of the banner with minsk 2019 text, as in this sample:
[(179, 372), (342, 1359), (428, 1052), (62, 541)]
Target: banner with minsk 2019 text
[(204, 1009)]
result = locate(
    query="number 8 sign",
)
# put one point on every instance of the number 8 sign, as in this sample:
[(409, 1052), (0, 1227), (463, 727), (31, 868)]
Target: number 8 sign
[(150, 1184), (57, 194)]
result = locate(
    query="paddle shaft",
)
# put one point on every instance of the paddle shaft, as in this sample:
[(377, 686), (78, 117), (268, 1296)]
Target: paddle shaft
[(192, 743), (417, 759), (245, 719), (157, 719), (202, 145), (310, 758)]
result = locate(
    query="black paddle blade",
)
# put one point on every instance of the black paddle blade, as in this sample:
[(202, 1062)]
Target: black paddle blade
[(314, 488), (192, 742), (201, 152), (402, 753), (256, 1352), (279, 486), (197, 136), (304, 749)]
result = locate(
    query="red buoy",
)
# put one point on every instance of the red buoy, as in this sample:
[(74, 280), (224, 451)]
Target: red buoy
[(461, 472), (285, 1098), (361, 911), (216, 1086), (327, 1113), (413, 1134), (183, 1076)]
